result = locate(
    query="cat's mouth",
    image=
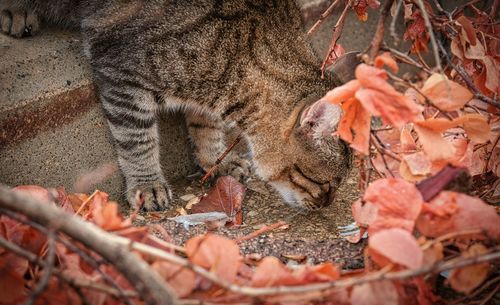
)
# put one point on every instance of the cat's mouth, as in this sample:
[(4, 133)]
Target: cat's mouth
[(302, 191)]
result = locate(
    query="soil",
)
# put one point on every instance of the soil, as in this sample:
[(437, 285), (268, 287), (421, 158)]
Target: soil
[(311, 236)]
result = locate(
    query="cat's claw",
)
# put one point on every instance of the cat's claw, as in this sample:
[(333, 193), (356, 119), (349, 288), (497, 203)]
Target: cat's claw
[(18, 23), (155, 196)]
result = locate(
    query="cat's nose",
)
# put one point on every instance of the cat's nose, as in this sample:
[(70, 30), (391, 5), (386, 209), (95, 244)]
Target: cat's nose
[(324, 199)]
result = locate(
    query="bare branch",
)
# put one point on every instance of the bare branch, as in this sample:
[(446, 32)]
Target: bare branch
[(48, 268), (151, 287), (428, 24), (325, 14), (379, 32)]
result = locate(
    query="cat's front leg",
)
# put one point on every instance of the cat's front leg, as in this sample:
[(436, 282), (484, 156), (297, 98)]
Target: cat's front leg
[(207, 132), (132, 118)]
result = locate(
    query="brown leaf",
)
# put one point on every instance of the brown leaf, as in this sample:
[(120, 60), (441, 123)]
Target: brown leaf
[(398, 246), (468, 28), (468, 278), (216, 253), (226, 196)]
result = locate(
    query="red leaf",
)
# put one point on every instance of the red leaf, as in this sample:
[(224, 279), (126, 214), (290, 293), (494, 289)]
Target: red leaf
[(216, 253), (12, 270), (226, 196), (397, 245)]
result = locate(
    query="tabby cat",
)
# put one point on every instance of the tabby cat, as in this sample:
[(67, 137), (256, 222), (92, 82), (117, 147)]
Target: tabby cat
[(235, 61)]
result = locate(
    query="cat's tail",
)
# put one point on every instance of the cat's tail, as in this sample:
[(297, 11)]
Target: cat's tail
[(63, 13)]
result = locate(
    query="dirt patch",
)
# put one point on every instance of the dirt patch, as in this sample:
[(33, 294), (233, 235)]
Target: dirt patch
[(312, 235)]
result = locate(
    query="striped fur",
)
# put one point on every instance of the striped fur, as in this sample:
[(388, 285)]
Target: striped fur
[(241, 61)]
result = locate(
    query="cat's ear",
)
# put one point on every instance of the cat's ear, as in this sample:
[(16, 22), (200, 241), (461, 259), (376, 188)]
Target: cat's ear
[(343, 68), (320, 119)]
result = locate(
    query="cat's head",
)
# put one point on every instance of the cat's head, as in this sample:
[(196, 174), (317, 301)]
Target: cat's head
[(317, 159)]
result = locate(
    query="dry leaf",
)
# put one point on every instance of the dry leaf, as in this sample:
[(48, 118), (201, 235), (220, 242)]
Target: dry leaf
[(446, 94), (218, 254), (226, 196), (398, 246), (468, 278)]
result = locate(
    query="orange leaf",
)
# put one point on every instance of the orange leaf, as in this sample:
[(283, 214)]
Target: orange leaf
[(434, 145), (468, 278), (397, 245), (415, 167), (398, 202), (354, 127), (450, 212), (446, 94), (364, 214), (342, 93), (386, 59), (270, 272), (407, 141), (375, 293), (181, 279), (216, 253)]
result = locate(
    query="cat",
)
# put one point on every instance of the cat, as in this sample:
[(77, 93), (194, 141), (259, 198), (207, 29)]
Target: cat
[(246, 62)]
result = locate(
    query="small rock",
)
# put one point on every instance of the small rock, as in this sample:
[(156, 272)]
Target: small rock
[(188, 197), (252, 214)]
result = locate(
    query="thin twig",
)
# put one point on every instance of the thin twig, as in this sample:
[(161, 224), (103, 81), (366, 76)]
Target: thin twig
[(152, 288), (406, 59), (379, 32), (86, 257), (450, 235), (211, 171), (325, 14), (495, 143), (47, 270), (392, 28), (337, 32), (79, 282), (262, 230), (379, 146), (428, 24)]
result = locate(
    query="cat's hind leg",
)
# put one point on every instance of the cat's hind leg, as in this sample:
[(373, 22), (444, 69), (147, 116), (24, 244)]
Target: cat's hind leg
[(207, 132), (132, 116)]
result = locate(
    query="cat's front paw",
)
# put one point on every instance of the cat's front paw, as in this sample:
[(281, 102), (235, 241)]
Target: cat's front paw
[(18, 23), (237, 166), (156, 196)]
